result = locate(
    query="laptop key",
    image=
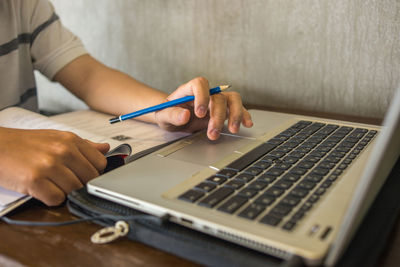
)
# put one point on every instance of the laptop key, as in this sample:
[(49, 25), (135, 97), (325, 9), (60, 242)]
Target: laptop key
[(313, 198), (262, 164), (314, 178), (333, 159), (312, 158), (306, 185), (277, 153), (326, 184), (274, 191), (226, 173), (248, 192), (299, 192), (252, 211), (320, 191), (270, 220), (342, 166), (326, 164), (282, 165), (298, 171), (250, 157), (253, 171), (290, 160), (235, 184), (217, 196), (304, 164), (206, 186), (281, 210), (283, 184), (292, 177), (258, 185), (320, 171), (265, 199), (296, 154), (290, 201), (297, 216), (245, 177), (301, 124), (347, 144), (191, 195), (274, 171), (266, 178), (306, 206), (233, 204), (318, 153), (275, 141), (337, 153), (217, 179), (323, 149), (289, 225)]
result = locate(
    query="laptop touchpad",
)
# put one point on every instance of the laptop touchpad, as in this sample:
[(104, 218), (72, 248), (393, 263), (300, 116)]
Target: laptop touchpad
[(206, 152)]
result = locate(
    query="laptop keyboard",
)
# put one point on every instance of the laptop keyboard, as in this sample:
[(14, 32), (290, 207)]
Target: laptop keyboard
[(278, 182)]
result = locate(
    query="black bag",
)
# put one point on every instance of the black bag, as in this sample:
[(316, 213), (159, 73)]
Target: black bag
[(364, 250)]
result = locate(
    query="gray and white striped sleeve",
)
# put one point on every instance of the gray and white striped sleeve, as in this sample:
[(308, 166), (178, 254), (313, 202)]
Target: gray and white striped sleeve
[(52, 45)]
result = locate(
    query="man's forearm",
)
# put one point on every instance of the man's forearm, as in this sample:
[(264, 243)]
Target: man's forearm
[(107, 90)]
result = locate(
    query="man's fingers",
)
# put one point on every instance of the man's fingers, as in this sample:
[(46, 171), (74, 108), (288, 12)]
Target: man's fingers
[(102, 147), (199, 88), (247, 121), (93, 156), (47, 192), (218, 110), (235, 107), (201, 92), (210, 111), (64, 178)]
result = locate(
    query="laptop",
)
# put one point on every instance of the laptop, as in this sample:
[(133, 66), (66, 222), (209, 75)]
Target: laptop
[(290, 186)]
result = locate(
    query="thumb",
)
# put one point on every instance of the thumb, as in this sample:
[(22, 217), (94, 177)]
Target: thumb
[(102, 147)]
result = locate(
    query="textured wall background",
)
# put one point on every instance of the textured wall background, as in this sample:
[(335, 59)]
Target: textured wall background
[(339, 56)]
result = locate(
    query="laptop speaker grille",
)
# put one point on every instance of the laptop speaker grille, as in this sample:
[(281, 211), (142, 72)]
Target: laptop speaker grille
[(255, 245)]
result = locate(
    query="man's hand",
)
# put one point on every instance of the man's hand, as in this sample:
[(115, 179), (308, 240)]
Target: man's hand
[(206, 112), (48, 164)]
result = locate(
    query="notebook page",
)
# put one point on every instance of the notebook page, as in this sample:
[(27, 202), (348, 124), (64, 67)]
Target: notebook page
[(20, 118), (140, 135)]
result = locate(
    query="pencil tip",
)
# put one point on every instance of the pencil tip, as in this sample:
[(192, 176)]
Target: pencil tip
[(224, 87)]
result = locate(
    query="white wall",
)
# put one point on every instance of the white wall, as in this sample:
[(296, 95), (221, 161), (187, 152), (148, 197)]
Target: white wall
[(327, 55)]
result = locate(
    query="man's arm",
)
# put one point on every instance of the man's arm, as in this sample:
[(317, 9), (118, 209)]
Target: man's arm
[(105, 89), (111, 91)]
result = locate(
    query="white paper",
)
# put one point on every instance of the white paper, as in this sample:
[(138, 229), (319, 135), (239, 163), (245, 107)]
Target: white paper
[(19, 118), (139, 135), (8, 196), (9, 200)]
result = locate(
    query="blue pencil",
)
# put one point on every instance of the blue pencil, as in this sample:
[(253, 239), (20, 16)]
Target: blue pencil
[(168, 104)]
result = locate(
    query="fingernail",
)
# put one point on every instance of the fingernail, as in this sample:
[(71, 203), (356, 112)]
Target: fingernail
[(215, 133), (201, 111)]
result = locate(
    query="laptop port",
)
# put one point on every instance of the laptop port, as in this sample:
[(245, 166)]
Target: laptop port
[(186, 221), (326, 232)]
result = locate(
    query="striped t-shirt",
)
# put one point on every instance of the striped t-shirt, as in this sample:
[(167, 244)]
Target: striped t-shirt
[(31, 37)]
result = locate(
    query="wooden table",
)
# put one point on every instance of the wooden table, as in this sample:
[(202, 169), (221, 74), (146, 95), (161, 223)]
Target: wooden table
[(71, 245)]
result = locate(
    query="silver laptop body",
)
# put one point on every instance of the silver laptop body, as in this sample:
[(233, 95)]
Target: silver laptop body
[(169, 180)]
